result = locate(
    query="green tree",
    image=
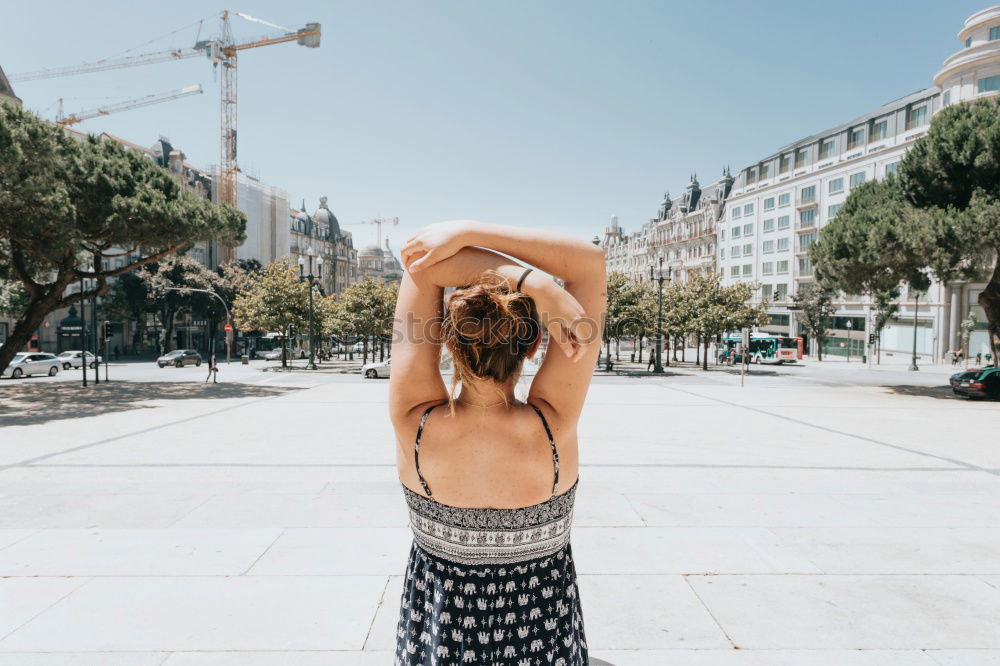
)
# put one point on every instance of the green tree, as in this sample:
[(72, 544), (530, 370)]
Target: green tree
[(126, 300), (365, 309), (714, 309), (621, 303), (167, 284), (678, 314), (885, 305), (67, 204), (952, 178), (815, 304), (277, 300)]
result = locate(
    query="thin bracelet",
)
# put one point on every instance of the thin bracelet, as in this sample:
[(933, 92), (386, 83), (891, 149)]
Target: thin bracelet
[(523, 275)]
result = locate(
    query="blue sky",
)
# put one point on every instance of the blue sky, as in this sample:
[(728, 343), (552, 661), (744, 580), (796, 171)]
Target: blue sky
[(551, 114)]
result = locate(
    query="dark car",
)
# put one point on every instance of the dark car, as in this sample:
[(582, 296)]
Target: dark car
[(179, 358), (978, 383)]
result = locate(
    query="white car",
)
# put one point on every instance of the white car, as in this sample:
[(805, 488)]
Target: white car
[(26, 364), (74, 359), (275, 354), (376, 370)]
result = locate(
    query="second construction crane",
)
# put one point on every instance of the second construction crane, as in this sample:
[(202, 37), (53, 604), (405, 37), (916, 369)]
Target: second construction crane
[(220, 52), (127, 105)]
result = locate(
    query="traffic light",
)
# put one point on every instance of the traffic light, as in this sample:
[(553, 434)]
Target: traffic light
[(106, 330)]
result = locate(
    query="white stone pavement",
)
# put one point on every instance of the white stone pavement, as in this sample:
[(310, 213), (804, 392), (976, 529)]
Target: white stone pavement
[(802, 520)]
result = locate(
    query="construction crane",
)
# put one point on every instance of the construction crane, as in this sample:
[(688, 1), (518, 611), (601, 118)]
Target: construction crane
[(127, 105), (378, 222), (222, 51)]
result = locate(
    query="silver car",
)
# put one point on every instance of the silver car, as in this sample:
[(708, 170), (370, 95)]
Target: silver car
[(74, 359), (26, 364), (376, 370)]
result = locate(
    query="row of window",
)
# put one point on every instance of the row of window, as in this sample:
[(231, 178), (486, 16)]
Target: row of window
[(994, 35), (771, 268), (876, 130), (779, 292), (807, 195)]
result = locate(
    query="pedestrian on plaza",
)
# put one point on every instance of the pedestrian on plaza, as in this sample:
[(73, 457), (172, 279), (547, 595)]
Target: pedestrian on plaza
[(490, 481), (954, 357), (213, 369), (979, 358), (961, 356), (652, 359), (116, 352)]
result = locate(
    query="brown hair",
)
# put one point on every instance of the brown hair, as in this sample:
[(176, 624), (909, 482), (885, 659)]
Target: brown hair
[(489, 329)]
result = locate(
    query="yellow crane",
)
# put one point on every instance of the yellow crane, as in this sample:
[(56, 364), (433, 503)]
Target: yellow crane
[(220, 52)]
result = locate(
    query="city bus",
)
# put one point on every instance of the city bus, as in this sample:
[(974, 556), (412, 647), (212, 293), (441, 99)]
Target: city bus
[(764, 348)]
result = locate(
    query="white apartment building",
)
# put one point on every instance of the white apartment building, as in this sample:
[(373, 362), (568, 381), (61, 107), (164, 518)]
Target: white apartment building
[(779, 204)]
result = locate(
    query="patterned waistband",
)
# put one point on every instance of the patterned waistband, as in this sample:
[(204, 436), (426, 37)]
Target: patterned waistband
[(491, 536)]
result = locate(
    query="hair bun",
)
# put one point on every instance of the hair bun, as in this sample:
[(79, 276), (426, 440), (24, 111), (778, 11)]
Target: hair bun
[(489, 329)]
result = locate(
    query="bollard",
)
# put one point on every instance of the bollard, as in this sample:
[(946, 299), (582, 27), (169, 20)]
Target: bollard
[(245, 360)]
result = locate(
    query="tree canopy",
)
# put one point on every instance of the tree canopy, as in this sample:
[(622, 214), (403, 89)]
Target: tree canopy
[(939, 218), (69, 204)]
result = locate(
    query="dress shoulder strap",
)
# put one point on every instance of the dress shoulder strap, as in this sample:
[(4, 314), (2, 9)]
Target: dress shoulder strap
[(416, 449), (552, 444)]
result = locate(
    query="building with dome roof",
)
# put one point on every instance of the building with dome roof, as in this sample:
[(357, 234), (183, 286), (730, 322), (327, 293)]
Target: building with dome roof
[(379, 262), (321, 232)]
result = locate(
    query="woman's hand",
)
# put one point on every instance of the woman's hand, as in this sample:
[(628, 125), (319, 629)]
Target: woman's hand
[(436, 242), (561, 314)]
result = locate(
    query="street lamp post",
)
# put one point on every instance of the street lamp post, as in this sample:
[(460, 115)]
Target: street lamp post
[(311, 253), (657, 365), (850, 325), (83, 332), (916, 304)]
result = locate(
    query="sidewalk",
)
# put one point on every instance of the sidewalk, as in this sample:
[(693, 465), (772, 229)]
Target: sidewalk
[(261, 522)]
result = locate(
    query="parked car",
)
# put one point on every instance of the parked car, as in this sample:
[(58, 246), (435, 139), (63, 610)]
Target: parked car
[(977, 383), (74, 359), (275, 354), (376, 370), (179, 358), (26, 364)]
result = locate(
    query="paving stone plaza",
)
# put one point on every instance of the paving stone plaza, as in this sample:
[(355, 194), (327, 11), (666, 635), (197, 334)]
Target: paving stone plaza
[(820, 515)]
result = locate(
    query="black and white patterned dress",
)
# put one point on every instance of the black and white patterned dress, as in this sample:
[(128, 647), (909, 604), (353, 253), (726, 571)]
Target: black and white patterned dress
[(493, 587)]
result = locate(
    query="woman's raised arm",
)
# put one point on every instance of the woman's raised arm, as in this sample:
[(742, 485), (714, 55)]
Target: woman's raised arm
[(563, 379)]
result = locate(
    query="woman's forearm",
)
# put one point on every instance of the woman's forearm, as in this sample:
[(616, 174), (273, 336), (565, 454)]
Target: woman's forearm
[(467, 265), (568, 258)]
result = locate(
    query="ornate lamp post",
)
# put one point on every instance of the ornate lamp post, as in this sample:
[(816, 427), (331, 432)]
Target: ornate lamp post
[(658, 278), (311, 253)]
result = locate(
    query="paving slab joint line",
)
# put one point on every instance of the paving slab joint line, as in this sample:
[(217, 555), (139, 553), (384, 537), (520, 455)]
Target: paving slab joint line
[(54, 603), (870, 440), (26, 536), (709, 611), (265, 551), (378, 607), (187, 513)]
